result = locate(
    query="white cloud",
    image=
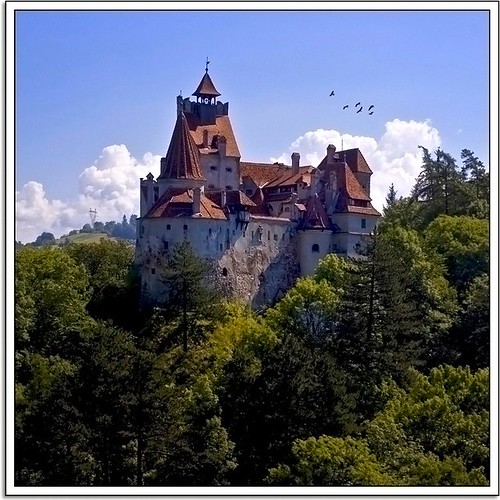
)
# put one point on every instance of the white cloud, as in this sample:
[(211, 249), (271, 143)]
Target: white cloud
[(110, 185), (393, 158)]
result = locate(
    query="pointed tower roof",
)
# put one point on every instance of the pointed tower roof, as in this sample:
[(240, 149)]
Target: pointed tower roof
[(206, 88), (182, 159), (315, 216)]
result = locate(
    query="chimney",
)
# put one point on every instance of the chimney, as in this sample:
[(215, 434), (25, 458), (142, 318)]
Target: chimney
[(295, 163), (205, 138), (223, 198), (330, 152), (196, 200), (221, 146)]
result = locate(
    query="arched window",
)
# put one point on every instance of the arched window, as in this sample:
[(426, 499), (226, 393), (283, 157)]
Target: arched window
[(315, 248), (224, 272)]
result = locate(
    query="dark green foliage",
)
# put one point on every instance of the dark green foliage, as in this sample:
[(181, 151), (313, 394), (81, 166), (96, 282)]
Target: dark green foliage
[(193, 288), (114, 284), (299, 392)]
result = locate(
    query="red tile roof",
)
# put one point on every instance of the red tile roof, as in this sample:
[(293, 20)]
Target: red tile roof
[(261, 207), (355, 159), (262, 173), (353, 187), (206, 87), (182, 158), (233, 197), (315, 216), (178, 202), (222, 126), (288, 179)]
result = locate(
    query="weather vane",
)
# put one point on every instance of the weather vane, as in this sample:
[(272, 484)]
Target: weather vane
[(206, 65)]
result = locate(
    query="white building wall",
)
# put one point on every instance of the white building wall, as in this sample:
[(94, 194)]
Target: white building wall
[(220, 171), (306, 249), (258, 260)]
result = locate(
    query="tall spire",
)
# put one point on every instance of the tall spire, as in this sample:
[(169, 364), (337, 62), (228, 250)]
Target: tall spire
[(206, 89), (182, 158)]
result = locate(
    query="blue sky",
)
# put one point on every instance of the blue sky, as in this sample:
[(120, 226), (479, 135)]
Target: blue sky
[(96, 92)]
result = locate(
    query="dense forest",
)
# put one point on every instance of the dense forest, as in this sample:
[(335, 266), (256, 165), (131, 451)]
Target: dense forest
[(370, 372)]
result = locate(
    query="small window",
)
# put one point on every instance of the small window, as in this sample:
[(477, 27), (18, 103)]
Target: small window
[(220, 247), (252, 234), (209, 230), (287, 209), (165, 245), (185, 227), (224, 272), (168, 227), (315, 248), (275, 237), (229, 169), (234, 232), (229, 188), (153, 270), (363, 223), (269, 235), (213, 167)]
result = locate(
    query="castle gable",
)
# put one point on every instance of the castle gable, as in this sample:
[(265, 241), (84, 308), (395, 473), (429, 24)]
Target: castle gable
[(178, 202)]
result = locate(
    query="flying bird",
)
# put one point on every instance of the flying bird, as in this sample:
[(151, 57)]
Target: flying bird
[(359, 110), (357, 104), (332, 93), (372, 106), (346, 106)]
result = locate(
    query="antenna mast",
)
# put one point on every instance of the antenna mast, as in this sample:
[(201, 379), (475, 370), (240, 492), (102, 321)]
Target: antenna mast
[(93, 216)]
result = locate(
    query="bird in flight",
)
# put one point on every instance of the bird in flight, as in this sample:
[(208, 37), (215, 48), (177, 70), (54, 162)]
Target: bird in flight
[(359, 110), (357, 104), (372, 106), (332, 93), (346, 106)]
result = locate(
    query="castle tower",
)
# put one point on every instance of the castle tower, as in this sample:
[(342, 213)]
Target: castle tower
[(181, 165)]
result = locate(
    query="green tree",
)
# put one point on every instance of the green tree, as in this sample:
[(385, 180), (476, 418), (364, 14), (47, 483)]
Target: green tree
[(50, 295), (463, 242), (471, 337), (44, 239), (436, 432), (291, 391), (113, 280), (440, 187), (193, 287), (330, 461)]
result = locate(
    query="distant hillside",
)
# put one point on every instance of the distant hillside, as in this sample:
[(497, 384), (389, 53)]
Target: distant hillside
[(86, 238)]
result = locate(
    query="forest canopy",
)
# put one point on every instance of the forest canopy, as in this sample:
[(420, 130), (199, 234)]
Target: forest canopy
[(370, 372)]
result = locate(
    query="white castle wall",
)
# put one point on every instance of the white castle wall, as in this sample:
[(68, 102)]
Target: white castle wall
[(259, 260)]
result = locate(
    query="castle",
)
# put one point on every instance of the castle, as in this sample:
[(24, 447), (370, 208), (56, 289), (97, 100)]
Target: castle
[(264, 224)]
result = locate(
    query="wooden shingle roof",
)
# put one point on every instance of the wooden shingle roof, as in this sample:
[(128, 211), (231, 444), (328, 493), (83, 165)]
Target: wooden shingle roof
[(206, 88), (182, 158)]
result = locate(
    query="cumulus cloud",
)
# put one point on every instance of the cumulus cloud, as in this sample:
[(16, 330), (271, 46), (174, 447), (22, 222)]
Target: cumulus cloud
[(110, 185), (393, 158)]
